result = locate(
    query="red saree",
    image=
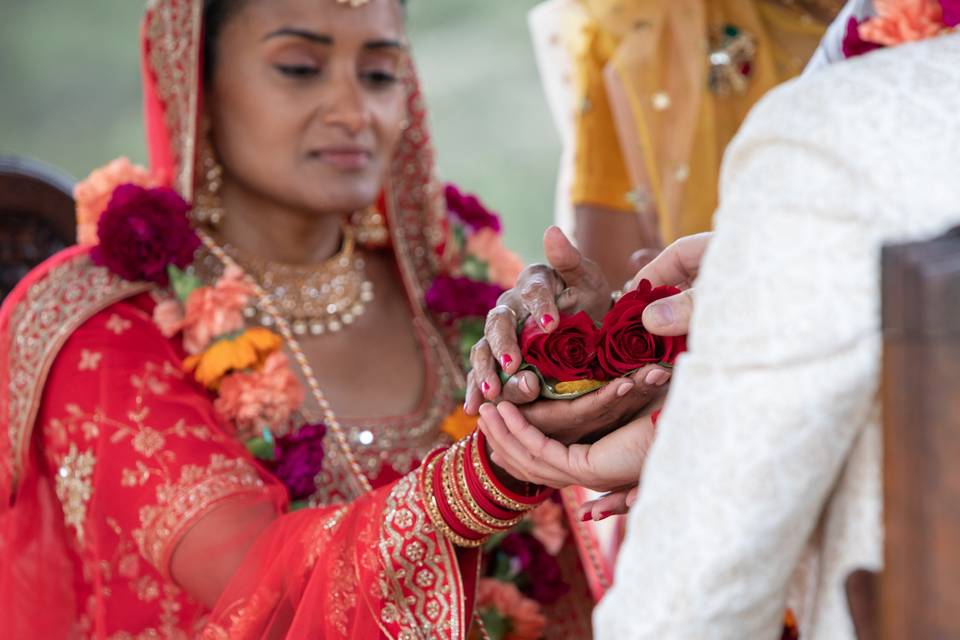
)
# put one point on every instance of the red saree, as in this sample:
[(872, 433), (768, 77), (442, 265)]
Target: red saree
[(111, 457)]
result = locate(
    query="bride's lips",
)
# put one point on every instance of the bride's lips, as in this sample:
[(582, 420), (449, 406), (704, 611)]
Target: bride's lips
[(344, 157)]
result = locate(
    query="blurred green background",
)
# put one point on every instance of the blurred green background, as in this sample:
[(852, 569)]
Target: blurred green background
[(70, 96)]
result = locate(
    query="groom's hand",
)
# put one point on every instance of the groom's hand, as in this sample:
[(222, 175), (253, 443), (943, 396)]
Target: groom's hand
[(677, 266)]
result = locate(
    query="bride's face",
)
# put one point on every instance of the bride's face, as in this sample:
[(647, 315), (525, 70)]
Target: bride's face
[(305, 100)]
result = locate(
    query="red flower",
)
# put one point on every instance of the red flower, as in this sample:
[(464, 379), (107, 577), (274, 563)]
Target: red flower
[(565, 355), (951, 12), (624, 343), (142, 232)]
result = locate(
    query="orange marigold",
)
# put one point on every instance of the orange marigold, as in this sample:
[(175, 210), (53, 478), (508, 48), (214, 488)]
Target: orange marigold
[(249, 350), (93, 194), (459, 425)]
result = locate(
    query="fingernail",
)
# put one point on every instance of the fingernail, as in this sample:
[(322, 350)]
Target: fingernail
[(657, 378), (486, 387), (587, 517), (464, 407), (605, 515), (546, 320), (624, 389), (505, 360), (525, 385), (631, 500), (661, 314)]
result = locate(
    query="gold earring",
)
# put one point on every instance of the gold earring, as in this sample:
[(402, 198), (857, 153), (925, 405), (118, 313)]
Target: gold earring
[(208, 209), (370, 228)]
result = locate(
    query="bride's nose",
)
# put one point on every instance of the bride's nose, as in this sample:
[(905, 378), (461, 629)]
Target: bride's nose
[(347, 107)]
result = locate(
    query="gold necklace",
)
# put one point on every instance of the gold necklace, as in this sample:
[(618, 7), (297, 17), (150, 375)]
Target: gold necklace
[(285, 329), (313, 299)]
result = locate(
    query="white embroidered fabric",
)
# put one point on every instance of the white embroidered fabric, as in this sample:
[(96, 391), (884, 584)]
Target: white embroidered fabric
[(764, 486)]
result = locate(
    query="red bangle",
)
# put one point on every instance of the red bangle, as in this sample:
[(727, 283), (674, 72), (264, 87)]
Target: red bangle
[(501, 494), (476, 489), (446, 512)]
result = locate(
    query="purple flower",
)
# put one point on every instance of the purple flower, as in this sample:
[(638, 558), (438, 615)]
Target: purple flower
[(470, 210), (142, 232), (951, 12), (541, 576), (299, 458), (853, 44), (461, 297)]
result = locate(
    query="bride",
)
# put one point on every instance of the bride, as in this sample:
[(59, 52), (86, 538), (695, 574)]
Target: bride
[(170, 460)]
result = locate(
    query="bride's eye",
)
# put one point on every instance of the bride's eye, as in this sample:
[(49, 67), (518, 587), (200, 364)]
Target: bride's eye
[(297, 71), (379, 79)]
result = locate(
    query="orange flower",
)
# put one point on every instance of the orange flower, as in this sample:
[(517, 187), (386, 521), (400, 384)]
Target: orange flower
[(459, 425), (504, 266), (249, 350), (93, 194), (900, 21), (215, 311), (252, 400), (526, 620), (548, 528)]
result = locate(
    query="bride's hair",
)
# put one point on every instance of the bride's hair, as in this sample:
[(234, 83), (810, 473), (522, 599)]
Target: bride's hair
[(215, 15)]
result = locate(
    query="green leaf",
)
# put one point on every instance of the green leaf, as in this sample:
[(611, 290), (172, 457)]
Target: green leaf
[(182, 283), (261, 449), (475, 269), (497, 625)]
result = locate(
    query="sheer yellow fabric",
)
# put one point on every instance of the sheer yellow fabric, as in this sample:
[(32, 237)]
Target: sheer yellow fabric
[(650, 132)]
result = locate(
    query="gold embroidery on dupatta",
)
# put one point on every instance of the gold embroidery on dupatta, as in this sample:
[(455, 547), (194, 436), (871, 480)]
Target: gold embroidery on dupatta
[(52, 310), (420, 571), (74, 486), (173, 33)]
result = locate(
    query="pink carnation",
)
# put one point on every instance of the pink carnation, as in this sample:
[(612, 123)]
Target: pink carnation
[(93, 194), (527, 621), (252, 400), (548, 527), (215, 311), (168, 316), (503, 265), (900, 21)]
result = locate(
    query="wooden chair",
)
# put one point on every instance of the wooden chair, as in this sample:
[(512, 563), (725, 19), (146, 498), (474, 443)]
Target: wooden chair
[(918, 594), (36, 217)]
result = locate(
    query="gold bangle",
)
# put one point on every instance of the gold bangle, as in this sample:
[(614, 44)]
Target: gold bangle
[(433, 510), (456, 502), (492, 489), (472, 505)]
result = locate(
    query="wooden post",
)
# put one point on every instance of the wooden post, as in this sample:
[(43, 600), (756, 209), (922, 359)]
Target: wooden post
[(920, 586)]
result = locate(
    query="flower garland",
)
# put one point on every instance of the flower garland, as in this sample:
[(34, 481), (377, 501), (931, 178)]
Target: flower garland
[(898, 22)]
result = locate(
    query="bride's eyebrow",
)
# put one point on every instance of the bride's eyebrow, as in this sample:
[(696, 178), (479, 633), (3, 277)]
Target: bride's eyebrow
[(320, 38), (312, 36)]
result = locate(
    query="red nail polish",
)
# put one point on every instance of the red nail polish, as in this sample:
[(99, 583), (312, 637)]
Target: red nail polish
[(587, 517), (546, 320), (505, 360), (485, 386)]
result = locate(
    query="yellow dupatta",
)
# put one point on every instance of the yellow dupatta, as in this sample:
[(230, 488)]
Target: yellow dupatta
[(650, 130)]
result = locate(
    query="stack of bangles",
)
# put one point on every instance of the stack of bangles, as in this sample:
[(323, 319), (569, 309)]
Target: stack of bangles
[(465, 500)]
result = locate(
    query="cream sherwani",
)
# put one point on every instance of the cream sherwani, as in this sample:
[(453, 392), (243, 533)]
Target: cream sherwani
[(764, 486)]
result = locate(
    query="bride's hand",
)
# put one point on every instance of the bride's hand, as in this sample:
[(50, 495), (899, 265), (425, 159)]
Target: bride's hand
[(615, 503), (612, 463), (569, 283)]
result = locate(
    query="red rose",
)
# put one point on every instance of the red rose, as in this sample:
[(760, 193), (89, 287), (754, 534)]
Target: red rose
[(142, 232), (567, 354), (625, 345)]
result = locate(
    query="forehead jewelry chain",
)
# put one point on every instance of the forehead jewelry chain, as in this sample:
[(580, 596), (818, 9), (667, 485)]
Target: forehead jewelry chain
[(330, 419)]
